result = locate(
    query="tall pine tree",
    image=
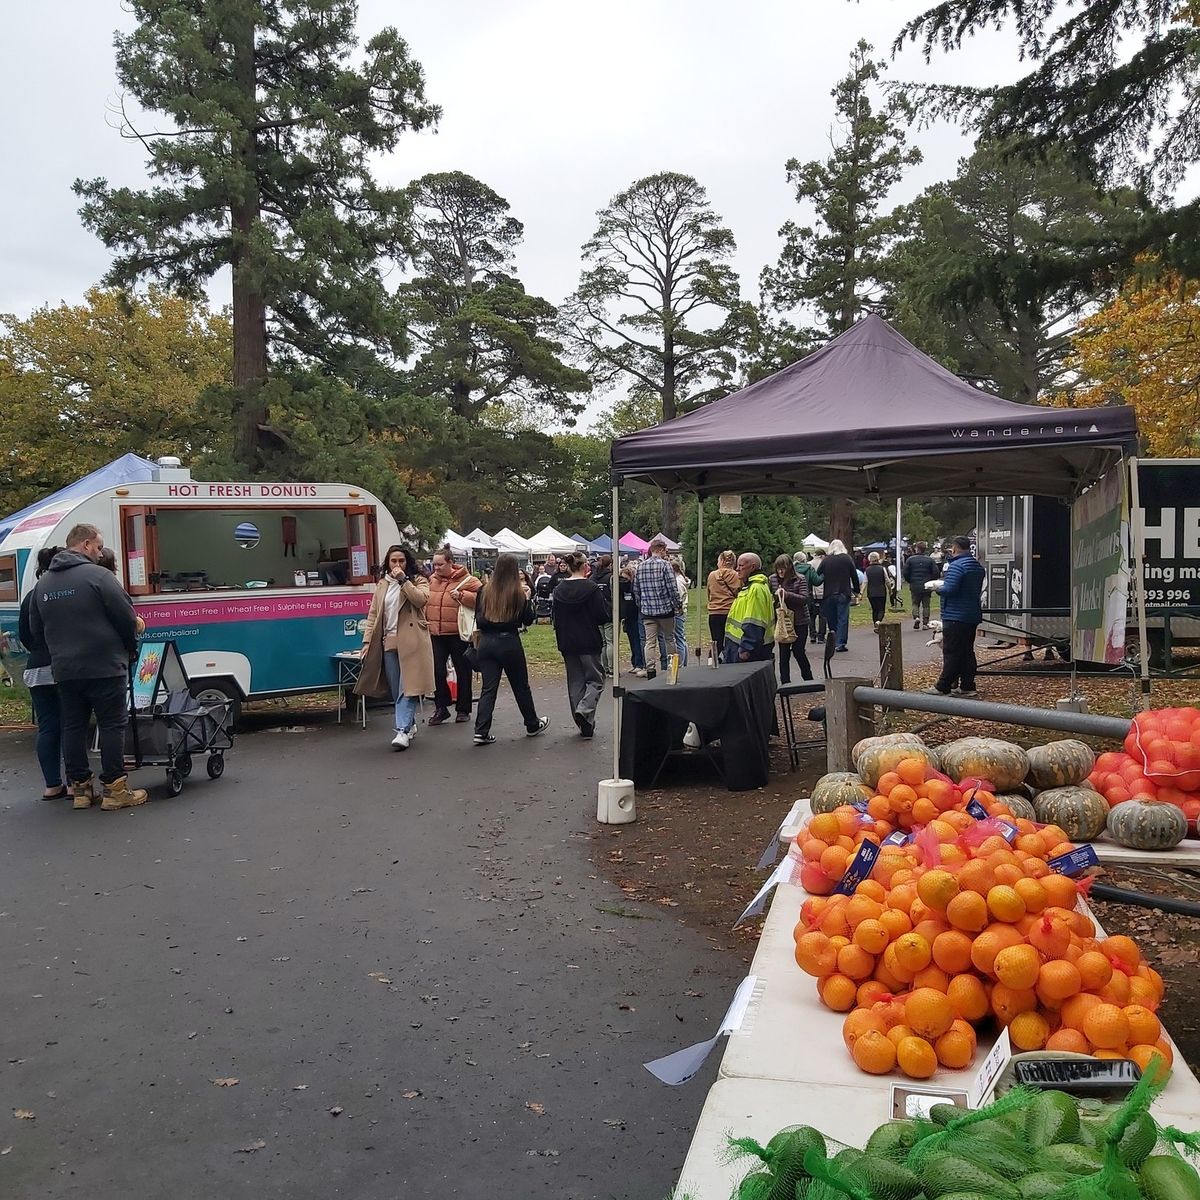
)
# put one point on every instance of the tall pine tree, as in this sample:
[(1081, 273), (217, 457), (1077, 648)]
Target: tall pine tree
[(264, 168), (832, 271), (657, 306), (1115, 83)]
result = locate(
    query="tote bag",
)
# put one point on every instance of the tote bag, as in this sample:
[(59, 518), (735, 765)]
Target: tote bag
[(466, 622), (785, 621)]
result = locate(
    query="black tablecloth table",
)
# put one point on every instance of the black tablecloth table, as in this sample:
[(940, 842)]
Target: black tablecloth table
[(733, 705)]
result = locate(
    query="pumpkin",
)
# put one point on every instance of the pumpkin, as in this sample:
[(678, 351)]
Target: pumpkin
[(1060, 764), (837, 788), (1002, 764), (1147, 825), (875, 756), (1079, 812), (1018, 805)]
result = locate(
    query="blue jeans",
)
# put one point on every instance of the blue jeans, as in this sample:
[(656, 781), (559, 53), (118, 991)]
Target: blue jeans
[(49, 733), (406, 706), (681, 639), (837, 617), (633, 631)]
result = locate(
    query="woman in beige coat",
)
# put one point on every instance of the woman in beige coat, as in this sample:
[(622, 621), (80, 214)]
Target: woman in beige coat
[(397, 653)]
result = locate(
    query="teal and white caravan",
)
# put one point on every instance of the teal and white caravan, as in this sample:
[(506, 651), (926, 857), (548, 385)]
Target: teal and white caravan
[(259, 584)]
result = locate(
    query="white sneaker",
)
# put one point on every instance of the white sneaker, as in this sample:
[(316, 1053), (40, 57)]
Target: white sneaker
[(401, 740), (640, 672)]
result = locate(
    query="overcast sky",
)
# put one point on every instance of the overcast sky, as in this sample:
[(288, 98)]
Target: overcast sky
[(555, 105)]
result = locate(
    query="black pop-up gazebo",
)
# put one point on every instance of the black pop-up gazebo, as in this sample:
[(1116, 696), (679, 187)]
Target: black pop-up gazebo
[(870, 415)]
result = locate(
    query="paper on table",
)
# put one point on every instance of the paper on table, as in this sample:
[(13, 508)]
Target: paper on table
[(781, 874), (989, 1072), (682, 1065)]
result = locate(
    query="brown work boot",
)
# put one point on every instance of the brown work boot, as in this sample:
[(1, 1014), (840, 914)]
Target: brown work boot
[(83, 792), (119, 794)]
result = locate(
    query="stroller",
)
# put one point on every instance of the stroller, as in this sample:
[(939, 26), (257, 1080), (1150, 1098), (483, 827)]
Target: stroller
[(167, 724)]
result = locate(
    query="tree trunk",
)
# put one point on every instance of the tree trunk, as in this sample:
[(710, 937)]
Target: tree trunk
[(249, 308), (670, 506), (1028, 344), (841, 521)]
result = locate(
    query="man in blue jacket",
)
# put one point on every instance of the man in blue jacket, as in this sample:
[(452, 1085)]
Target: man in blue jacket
[(961, 593)]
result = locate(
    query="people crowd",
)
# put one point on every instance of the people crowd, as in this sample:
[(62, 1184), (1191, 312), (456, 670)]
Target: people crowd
[(432, 626)]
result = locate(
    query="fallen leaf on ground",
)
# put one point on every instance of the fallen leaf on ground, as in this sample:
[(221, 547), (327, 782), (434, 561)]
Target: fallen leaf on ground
[(6, 1150), (257, 1144), (410, 1095), (300, 1087), (336, 1110), (229, 1082), (23, 1114), (535, 1107)]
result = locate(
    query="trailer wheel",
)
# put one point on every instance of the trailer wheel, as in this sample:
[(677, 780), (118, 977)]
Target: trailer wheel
[(216, 766), (217, 691), (183, 764), (174, 782)]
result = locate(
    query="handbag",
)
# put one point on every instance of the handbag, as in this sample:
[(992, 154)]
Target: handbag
[(785, 621), (466, 622)]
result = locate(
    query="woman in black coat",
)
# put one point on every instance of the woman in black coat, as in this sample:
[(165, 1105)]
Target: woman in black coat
[(877, 587)]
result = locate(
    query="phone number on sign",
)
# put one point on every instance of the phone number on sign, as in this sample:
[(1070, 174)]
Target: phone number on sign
[(1159, 594)]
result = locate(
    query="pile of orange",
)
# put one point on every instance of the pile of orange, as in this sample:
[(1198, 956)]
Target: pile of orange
[(957, 929)]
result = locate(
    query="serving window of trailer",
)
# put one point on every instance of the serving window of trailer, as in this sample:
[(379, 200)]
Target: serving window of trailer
[(8, 576), (209, 549)]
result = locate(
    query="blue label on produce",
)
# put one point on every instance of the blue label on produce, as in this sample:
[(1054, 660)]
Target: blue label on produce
[(899, 838), (976, 809), (1075, 861), (859, 868), (1008, 832), (861, 805)]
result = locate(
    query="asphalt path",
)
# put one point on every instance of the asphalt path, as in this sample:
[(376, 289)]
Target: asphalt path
[(404, 960)]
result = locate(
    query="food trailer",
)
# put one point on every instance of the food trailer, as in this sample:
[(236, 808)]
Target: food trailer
[(260, 585)]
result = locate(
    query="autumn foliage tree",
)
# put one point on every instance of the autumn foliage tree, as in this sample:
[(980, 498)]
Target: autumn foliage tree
[(82, 384), (1143, 349)]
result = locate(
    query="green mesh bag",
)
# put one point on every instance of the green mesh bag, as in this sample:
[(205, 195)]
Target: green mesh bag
[(1026, 1145)]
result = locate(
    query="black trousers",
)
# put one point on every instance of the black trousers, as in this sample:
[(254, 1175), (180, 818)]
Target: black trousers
[(878, 608), (958, 656), (716, 628), (503, 654), (109, 700), (449, 646), (790, 650), (920, 604)]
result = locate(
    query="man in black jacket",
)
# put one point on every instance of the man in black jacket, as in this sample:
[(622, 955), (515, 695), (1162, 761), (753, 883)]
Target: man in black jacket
[(919, 569), (88, 622), (579, 613)]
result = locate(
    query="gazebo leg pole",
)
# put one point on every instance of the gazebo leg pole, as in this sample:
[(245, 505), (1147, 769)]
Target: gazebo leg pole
[(699, 572), (615, 803)]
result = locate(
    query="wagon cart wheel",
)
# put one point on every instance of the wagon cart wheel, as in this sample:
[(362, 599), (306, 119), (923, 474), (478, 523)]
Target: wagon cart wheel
[(183, 764), (174, 782), (216, 766)]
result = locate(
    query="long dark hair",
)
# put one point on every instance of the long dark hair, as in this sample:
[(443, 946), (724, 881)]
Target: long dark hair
[(501, 598), (45, 556), (412, 567)]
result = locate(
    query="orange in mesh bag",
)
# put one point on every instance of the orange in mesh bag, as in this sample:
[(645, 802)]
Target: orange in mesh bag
[(1165, 742)]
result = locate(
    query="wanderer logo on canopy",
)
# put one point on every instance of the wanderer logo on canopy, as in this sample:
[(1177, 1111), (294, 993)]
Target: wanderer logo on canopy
[(1000, 433)]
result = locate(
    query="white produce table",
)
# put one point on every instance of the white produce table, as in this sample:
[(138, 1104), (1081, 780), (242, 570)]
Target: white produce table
[(787, 1065)]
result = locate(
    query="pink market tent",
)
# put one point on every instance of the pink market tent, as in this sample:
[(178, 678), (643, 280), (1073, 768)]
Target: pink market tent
[(632, 544)]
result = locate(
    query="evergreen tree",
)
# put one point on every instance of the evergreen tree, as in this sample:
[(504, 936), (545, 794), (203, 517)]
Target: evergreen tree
[(1113, 82), (657, 306), (767, 526), (265, 169), (834, 269), (483, 342), (972, 279)]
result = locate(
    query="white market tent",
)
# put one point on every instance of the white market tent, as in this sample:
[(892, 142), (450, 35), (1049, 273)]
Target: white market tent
[(514, 543), (457, 543), (550, 541), (481, 539), (812, 542)]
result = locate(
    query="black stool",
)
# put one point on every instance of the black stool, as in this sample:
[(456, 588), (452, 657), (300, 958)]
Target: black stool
[(785, 692)]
